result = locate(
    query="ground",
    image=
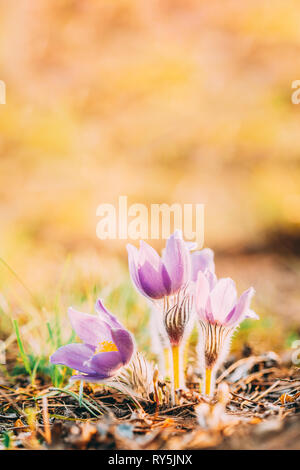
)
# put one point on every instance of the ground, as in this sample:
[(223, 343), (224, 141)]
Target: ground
[(259, 409)]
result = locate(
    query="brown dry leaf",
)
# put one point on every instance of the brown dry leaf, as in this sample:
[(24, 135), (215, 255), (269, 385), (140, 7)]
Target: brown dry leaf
[(255, 420), (286, 398), (20, 427)]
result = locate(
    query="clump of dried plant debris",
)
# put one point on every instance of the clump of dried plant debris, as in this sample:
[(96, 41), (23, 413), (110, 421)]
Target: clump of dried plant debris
[(257, 406)]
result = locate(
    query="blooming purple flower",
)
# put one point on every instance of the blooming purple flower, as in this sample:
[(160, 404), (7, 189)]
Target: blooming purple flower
[(156, 277), (216, 301), (165, 281), (219, 312), (107, 346)]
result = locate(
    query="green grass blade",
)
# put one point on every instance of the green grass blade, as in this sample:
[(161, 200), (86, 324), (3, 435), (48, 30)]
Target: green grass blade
[(21, 348)]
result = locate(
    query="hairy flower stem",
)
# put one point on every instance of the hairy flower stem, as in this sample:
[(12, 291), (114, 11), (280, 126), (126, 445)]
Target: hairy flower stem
[(166, 354), (213, 348), (176, 370), (208, 382)]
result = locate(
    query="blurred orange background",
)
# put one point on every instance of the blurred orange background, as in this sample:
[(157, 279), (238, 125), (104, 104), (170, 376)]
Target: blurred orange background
[(163, 101)]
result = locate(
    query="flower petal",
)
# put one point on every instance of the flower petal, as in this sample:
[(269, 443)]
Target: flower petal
[(76, 356), (105, 315), (191, 245), (241, 309), (148, 254), (123, 340), (151, 281), (209, 313), (133, 255), (202, 260), (96, 378), (106, 364), (146, 271), (201, 294), (222, 299), (212, 279), (166, 280), (176, 258), (251, 314), (89, 328)]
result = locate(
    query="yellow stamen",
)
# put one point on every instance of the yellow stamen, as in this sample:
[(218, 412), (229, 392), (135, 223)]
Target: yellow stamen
[(207, 382), (106, 346)]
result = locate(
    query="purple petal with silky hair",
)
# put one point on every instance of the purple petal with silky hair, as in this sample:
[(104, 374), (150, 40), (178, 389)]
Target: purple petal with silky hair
[(223, 298), (209, 313), (176, 258), (133, 264), (212, 279), (89, 328), (241, 308), (251, 314), (202, 293), (166, 280), (93, 378), (76, 356), (151, 281), (147, 253), (124, 343), (105, 315), (106, 364)]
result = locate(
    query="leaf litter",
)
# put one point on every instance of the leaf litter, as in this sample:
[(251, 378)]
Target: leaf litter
[(257, 406)]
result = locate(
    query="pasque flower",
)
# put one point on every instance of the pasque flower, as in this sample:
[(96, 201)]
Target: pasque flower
[(107, 346), (165, 281), (219, 313), (200, 261), (156, 277)]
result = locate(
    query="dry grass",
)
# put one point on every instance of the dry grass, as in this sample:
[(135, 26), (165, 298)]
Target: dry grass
[(260, 406)]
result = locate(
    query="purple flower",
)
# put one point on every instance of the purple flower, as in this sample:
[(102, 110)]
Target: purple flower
[(216, 301), (165, 281), (107, 346), (156, 277), (201, 261), (219, 312)]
